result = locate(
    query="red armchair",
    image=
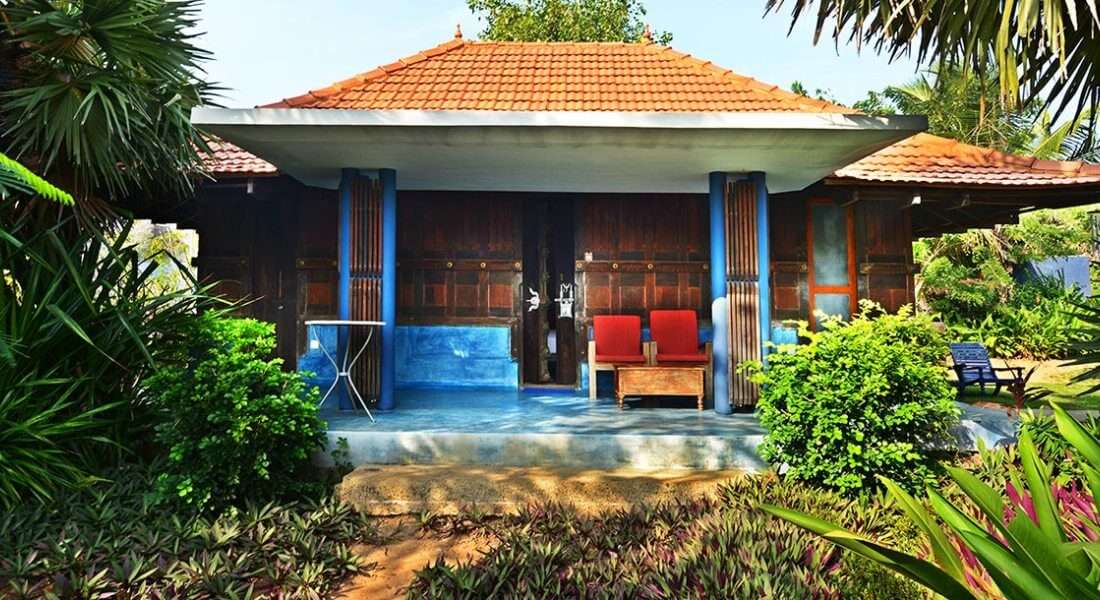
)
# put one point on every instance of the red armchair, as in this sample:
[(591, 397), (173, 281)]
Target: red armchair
[(617, 340), (675, 335)]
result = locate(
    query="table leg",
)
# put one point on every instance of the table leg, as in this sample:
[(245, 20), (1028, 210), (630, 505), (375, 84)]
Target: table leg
[(699, 402)]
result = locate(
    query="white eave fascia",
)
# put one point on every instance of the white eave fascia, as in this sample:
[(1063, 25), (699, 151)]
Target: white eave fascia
[(211, 116)]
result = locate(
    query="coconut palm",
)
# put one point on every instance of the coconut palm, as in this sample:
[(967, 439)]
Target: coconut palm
[(964, 105), (1048, 48), (96, 95)]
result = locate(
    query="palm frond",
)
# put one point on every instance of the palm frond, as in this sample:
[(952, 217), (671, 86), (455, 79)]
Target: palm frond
[(16, 177), (1047, 49)]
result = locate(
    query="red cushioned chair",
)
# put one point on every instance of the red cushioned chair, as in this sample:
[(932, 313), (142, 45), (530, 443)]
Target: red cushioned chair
[(617, 340), (675, 335)]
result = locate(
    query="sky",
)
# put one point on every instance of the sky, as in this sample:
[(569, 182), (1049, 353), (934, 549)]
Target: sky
[(266, 50)]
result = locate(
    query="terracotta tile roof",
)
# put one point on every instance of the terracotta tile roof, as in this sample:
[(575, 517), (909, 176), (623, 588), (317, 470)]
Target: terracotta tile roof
[(555, 76), (932, 160), (228, 159)]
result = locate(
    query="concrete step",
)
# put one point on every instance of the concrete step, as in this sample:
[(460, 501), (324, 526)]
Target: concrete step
[(731, 450), (453, 489)]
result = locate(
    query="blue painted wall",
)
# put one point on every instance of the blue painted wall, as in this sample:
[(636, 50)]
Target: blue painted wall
[(432, 356), (455, 356), (1072, 270), (314, 361)]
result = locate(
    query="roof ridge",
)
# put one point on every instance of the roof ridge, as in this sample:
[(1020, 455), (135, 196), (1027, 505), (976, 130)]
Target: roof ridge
[(725, 73), (1017, 160), (376, 73)]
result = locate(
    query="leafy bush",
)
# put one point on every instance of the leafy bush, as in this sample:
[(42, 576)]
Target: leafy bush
[(1040, 320), (700, 548), (111, 541), (1036, 539), (236, 425), (966, 280), (959, 292), (862, 399), (79, 335)]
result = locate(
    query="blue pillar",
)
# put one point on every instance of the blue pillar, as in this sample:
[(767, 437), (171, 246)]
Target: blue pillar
[(343, 286), (719, 303), (386, 400), (760, 182)]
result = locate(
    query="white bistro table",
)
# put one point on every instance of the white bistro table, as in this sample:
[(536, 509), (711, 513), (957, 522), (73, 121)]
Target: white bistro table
[(344, 367)]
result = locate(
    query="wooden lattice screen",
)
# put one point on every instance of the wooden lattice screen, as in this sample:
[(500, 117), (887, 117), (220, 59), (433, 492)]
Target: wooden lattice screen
[(366, 280), (743, 287)]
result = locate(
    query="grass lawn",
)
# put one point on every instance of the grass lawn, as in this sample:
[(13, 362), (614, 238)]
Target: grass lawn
[(1050, 376)]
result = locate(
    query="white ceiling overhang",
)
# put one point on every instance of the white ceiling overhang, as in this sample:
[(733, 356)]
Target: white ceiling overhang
[(555, 151)]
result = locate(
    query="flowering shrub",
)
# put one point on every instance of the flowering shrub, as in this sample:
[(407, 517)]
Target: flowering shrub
[(861, 400)]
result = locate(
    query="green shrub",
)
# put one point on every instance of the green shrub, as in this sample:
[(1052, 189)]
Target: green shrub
[(236, 425), (79, 334), (958, 292), (862, 399), (111, 541), (1040, 320), (692, 548)]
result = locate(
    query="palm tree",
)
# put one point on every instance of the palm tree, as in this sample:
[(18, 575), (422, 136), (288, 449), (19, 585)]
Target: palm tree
[(964, 106), (1049, 48), (96, 95)]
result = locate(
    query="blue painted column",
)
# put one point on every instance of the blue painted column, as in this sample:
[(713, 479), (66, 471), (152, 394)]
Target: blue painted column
[(719, 302), (386, 400), (343, 286), (760, 182)]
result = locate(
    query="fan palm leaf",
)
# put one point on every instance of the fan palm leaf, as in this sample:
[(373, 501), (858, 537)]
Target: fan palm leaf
[(16, 177), (101, 93)]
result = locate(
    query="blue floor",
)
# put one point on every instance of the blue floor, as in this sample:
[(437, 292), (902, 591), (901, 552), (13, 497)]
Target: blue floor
[(512, 411)]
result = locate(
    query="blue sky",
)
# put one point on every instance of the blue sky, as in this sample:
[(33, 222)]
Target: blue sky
[(266, 50)]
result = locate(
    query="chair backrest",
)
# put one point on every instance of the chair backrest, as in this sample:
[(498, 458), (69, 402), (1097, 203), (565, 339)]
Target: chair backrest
[(675, 331), (973, 355), (617, 334)]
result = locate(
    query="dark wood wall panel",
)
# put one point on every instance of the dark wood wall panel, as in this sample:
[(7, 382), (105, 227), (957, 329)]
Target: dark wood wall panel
[(636, 253), (743, 275), (459, 257), (275, 247), (788, 255), (884, 251)]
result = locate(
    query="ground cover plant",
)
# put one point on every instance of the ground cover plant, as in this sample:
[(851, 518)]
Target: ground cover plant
[(857, 401), (716, 547), (112, 541)]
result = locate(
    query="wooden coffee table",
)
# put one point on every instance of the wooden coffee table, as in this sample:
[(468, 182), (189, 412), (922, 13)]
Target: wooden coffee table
[(659, 381)]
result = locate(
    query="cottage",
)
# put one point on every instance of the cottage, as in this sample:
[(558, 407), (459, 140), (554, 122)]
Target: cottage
[(464, 195)]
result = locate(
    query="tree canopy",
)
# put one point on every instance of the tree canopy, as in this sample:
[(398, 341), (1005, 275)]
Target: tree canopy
[(564, 20), (1046, 49)]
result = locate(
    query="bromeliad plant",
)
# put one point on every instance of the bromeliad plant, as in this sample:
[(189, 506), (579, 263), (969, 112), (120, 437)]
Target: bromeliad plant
[(1035, 540)]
